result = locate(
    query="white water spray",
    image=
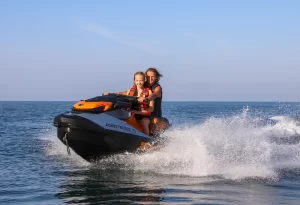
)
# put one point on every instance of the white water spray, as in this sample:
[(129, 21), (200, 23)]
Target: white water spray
[(235, 147)]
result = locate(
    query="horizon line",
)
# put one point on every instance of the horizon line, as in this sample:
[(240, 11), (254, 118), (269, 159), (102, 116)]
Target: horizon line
[(162, 101)]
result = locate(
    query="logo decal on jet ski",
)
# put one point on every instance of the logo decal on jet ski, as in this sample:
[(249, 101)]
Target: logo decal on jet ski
[(120, 127)]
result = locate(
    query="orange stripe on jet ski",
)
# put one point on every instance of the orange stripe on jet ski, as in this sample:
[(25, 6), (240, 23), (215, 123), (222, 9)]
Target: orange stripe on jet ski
[(82, 105), (134, 123)]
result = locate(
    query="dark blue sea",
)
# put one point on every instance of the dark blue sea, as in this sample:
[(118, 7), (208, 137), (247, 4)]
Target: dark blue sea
[(216, 153)]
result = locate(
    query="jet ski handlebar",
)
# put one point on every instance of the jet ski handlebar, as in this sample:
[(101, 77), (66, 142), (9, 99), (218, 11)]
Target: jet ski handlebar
[(123, 97), (127, 97)]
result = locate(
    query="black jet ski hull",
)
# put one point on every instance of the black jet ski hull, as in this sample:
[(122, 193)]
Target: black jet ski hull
[(93, 140)]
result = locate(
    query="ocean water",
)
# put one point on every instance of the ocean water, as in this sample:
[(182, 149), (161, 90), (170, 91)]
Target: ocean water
[(216, 153)]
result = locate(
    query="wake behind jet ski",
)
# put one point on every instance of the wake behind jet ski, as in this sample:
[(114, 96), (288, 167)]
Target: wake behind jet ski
[(104, 125)]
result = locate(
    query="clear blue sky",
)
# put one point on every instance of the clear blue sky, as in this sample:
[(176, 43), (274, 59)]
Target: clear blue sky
[(207, 50)]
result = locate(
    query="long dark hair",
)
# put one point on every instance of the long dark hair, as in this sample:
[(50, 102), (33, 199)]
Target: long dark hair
[(157, 73)]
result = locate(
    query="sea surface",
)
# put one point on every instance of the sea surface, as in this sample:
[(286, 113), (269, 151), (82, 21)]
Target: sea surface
[(216, 153)]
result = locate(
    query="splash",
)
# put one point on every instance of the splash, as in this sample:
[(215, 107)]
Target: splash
[(56, 149), (229, 147), (235, 147), (285, 126)]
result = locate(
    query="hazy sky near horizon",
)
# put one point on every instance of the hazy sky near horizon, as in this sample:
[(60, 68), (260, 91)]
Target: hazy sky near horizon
[(206, 50)]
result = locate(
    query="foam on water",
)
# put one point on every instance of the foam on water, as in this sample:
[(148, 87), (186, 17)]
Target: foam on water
[(230, 147), (285, 126), (235, 147), (57, 149)]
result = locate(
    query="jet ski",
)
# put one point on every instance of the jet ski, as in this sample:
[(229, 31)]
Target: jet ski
[(105, 125)]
